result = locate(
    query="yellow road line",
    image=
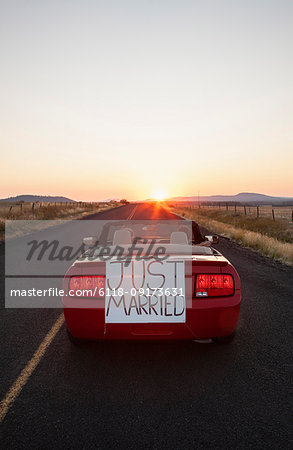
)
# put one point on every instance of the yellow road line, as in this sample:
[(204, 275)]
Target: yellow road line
[(132, 213), (25, 374)]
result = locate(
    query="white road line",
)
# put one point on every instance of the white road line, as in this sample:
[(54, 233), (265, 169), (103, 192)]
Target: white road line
[(25, 374)]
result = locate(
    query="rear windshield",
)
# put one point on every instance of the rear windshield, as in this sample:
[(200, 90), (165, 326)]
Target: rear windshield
[(147, 230)]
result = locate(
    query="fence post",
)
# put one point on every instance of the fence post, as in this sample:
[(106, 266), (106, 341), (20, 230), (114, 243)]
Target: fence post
[(292, 216), (235, 208), (257, 211), (226, 206), (33, 205), (273, 214), (244, 210)]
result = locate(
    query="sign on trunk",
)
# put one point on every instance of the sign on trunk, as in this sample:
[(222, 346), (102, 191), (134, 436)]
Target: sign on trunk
[(145, 291)]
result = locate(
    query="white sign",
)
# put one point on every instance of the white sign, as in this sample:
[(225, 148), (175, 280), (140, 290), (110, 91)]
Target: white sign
[(145, 291)]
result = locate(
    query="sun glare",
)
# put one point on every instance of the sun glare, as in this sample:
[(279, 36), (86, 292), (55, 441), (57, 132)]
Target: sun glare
[(159, 196)]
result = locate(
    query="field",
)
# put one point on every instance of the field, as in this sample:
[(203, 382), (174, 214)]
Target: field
[(271, 234), (48, 211), (266, 211)]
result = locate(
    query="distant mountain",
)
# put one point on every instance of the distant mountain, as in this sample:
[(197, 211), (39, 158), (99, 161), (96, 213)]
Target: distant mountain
[(36, 198), (243, 197)]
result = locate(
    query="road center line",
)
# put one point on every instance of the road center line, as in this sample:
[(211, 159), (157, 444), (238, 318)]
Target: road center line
[(132, 213), (25, 374), (27, 371)]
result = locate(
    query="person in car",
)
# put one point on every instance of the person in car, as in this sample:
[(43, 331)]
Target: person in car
[(197, 237)]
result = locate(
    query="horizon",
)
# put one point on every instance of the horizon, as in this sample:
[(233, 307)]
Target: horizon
[(143, 100), (147, 199)]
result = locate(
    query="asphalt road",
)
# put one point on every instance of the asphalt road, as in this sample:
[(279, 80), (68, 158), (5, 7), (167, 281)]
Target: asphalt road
[(156, 395)]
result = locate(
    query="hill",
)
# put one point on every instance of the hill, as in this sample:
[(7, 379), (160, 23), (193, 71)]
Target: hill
[(243, 197), (36, 198)]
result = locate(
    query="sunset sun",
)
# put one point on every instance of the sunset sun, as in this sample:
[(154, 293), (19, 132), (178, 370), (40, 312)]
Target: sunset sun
[(159, 196)]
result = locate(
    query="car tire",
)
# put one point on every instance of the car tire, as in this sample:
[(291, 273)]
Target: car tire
[(225, 339), (74, 340)]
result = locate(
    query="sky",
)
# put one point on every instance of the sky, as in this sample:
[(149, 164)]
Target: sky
[(111, 99)]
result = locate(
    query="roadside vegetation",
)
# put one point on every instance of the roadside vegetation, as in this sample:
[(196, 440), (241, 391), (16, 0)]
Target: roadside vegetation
[(273, 238), (47, 211)]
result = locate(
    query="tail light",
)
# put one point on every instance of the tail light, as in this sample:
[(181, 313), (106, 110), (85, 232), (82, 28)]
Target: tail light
[(90, 286), (214, 285)]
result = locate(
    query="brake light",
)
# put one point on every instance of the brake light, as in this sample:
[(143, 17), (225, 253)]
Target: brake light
[(214, 285), (91, 286)]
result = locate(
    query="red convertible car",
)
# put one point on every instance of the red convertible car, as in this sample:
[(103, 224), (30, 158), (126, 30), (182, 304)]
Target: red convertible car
[(146, 281)]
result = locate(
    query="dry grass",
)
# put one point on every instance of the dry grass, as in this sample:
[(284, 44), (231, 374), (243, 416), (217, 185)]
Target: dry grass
[(264, 211), (280, 229), (49, 211), (274, 239)]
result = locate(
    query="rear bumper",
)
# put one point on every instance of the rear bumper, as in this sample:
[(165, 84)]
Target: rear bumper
[(205, 319)]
